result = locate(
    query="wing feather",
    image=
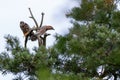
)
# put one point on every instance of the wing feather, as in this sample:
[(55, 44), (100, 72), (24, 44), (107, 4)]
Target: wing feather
[(25, 28)]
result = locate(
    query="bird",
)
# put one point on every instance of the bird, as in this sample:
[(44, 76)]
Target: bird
[(42, 30), (28, 32), (25, 28), (33, 36)]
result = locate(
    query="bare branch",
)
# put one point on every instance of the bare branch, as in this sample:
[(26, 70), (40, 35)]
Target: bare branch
[(44, 38), (42, 19), (39, 41), (33, 18), (33, 37)]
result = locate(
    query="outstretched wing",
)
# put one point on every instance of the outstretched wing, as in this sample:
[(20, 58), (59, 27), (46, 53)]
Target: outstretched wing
[(25, 28), (26, 31)]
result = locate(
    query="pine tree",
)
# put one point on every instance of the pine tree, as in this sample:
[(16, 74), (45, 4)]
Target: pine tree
[(92, 42), (20, 61)]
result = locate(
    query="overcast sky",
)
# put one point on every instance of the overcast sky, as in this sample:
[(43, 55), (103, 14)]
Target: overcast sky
[(14, 11)]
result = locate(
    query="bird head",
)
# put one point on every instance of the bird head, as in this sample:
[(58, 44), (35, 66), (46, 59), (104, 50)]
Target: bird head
[(49, 28)]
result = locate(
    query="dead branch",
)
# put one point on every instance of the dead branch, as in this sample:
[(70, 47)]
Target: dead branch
[(41, 40), (35, 28), (33, 18), (44, 39), (42, 19)]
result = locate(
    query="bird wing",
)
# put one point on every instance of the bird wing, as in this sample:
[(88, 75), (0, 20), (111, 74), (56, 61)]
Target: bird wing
[(25, 28)]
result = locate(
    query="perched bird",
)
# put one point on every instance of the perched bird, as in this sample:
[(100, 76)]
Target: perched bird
[(29, 34), (42, 30)]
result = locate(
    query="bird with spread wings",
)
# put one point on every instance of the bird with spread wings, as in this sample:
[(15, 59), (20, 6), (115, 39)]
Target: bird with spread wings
[(29, 34), (35, 33)]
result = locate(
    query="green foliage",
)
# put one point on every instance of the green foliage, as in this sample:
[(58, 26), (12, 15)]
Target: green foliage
[(93, 41), (115, 20), (45, 74), (20, 60), (84, 12), (33, 66)]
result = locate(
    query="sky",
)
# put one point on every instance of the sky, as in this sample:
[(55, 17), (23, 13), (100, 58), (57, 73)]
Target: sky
[(14, 11)]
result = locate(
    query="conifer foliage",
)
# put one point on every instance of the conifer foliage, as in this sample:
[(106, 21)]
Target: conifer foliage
[(91, 49)]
